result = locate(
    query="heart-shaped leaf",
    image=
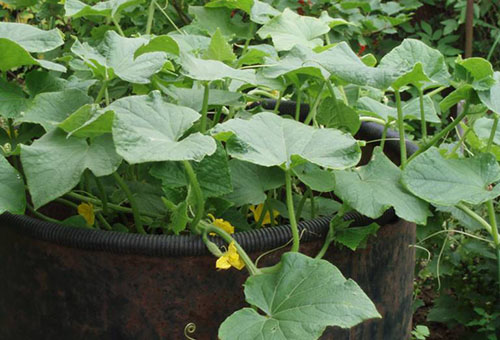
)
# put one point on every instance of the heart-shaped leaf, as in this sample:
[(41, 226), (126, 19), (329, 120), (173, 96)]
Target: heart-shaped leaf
[(447, 182), (12, 197), (12, 100), (54, 163), (17, 41), (270, 140), (115, 57), (421, 65), (298, 302), (149, 129), (375, 187), (289, 29), (211, 19), (88, 121), (219, 49), (162, 43), (51, 108), (250, 182), (110, 8), (333, 113)]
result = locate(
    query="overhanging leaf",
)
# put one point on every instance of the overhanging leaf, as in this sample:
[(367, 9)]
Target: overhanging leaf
[(291, 310), (451, 181), (491, 97), (54, 164), (355, 237), (110, 8), (149, 129), (12, 100), (333, 113), (88, 121), (12, 196), (270, 140), (375, 187), (289, 29)]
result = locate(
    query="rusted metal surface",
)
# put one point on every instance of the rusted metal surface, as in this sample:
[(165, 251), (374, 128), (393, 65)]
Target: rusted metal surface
[(54, 292)]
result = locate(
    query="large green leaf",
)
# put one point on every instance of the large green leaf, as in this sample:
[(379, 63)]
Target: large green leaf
[(250, 182), (375, 187), (270, 140), (17, 41), (110, 8), (12, 100), (208, 70), (50, 108), (450, 181), (333, 113), (219, 49), (411, 109), (298, 302), (314, 177), (149, 129), (88, 121), (482, 128), (477, 72), (421, 65), (245, 5), (491, 97), (12, 197), (212, 174), (211, 19), (262, 12), (162, 43), (20, 3), (193, 97), (114, 56), (54, 163), (289, 29)]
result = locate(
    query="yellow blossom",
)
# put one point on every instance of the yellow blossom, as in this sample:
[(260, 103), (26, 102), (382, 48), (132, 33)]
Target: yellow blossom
[(257, 212), (86, 210), (230, 258), (220, 223)]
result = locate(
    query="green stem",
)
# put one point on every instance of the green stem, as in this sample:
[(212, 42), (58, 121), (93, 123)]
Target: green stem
[(208, 228), (314, 107), (102, 92), (131, 199), (494, 234), (492, 133), (343, 94), (278, 102), (436, 91), (117, 25), (443, 132), (103, 221), (67, 202), (460, 141), (422, 113), (328, 240), (401, 128), (291, 211), (476, 217), (490, 53), (41, 216), (297, 104), (198, 194), (313, 205), (218, 114), (247, 42), (169, 19), (373, 120), (204, 109), (102, 195), (302, 201), (151, 13)]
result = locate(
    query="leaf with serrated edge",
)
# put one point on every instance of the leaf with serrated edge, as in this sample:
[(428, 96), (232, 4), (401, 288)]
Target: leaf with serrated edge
[(298, 302)]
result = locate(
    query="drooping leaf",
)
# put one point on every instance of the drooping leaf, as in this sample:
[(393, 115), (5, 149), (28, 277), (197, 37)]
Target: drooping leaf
[(482, 128), (477, 72), (12, 100), (179, 218), (262, 12), (209, 70), (463, 92), (211, 19), (290, 310), (375, 187), (333, 113), (193, 98), (270, 140), (51, 108), (149, 129), (17, 41), (355, 237), (314, 177), (450, 181), (491, 97), (12, 196), (421, 65), (110, 8), (54, 164), (289, 29), (245, 5), (219, 49), (114, 56), (88, 121), (250, 182), (212, 173), (162, 43), (38, 81)]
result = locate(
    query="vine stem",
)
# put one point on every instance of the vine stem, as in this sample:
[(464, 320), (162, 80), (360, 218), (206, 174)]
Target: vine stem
[(204, 109), (443, 132), (298, 104), (102, 92), (41, 216), (492, 133), (198, 194), (102, 194), (247, 41), (209, 228), (494, 234), (401, 128), (133, 204), (476, 217), (314, 107), (422, 113), (384, 136), (117, 25), (373, 120), (151, 13), (291, 211)]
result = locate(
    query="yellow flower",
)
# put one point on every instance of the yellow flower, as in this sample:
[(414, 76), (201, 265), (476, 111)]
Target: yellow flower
[(230, 258), (220, 223), (257, 212), (86, 210)]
